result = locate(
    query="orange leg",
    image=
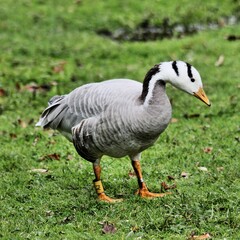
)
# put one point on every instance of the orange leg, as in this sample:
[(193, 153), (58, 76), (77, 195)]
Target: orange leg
[(143, 190), (99, 187)]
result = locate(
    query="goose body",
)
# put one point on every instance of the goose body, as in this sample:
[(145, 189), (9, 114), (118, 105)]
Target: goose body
[(120, 117)]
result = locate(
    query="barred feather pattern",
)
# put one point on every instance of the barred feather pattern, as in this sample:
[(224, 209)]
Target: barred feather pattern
[(109, 118)]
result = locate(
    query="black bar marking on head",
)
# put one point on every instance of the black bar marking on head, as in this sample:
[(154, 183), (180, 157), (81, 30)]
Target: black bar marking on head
[(175, 68), (147, 79), (189, 70)]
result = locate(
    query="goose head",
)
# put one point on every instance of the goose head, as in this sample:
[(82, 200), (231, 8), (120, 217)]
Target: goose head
[(185, 77)]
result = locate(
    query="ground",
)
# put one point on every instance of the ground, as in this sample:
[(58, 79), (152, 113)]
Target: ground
[(51, 47)]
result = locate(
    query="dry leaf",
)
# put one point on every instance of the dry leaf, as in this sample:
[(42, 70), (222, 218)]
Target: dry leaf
[(174, 120), (59, 67), (208, 149), (220, 61), (201, 237), (184, 175), (69, 157), (67, 219), (13, 135), (166, 187), (35, 141), (3, 93), (22, 123), (171, 178), (53, 156), (34, 87), (131, 174), (39, 170), (108, 228), (220, 169), (194, 115), (204, 169)]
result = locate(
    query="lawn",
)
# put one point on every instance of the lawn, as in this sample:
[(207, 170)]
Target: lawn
[(51, 47)]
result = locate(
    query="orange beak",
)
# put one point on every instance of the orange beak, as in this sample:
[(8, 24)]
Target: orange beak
[(200, 94)]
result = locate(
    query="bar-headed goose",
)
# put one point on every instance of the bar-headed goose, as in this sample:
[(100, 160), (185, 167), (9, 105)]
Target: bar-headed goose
[(120, 117)]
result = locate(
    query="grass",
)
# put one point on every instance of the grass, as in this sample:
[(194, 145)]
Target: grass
[(56, 42)]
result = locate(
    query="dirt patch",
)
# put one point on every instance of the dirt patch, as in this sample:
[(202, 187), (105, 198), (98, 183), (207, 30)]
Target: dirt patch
[(145, 31)]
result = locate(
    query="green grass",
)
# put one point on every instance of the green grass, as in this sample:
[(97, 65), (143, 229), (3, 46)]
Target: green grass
[(35, 37)]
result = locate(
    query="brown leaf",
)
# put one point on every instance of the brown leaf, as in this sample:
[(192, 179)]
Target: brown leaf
[(201, 237), (67, 219), (220, 169), (174, 120), (22, 123), (194, 115), (220, 61), (131, 174), (59, 67), (54, 156), (108, 228), (208, 149), (3, 93), (69, 157), (33, 87), (171, 178), (13, 135), (166, 187)]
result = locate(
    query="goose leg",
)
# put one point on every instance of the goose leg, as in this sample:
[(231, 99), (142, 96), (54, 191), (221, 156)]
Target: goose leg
[(143, 190), (98, 184)]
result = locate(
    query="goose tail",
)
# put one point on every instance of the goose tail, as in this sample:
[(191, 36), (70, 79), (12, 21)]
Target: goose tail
[(54, 113)]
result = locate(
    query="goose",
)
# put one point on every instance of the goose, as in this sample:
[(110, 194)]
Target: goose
[(121, 117)]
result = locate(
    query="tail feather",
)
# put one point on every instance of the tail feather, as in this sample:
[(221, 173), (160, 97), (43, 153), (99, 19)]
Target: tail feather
[(53, 114)]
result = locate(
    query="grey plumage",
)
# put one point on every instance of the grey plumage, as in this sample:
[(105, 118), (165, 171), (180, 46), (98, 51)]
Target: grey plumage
[(109, 118), (120, 117)]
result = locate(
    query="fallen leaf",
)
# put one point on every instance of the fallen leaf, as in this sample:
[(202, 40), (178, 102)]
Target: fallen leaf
[(184, 174), (59, 67), (208, 150), (54, 156), (13, 135), (131, 174), (69, 157), (201, 237), (39, 170), (204, 169), (220, 169), (22, 123), (171, 178), (108, 228), (49, 213), (174, 120), (166, 186), (67, 219), (3, 93), (35, 141), (34, 87), (220, 61), (194, 115)]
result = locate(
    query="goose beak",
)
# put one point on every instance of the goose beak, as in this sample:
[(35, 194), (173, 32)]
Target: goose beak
[(200, 94)]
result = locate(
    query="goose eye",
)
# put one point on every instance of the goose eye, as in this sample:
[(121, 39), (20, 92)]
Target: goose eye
[(192, 80)]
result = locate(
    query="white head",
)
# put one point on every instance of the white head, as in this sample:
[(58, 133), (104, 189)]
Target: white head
[(183, 76)]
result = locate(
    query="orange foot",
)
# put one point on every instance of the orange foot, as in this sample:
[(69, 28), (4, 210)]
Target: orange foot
[(144, 193), (104, 198)]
